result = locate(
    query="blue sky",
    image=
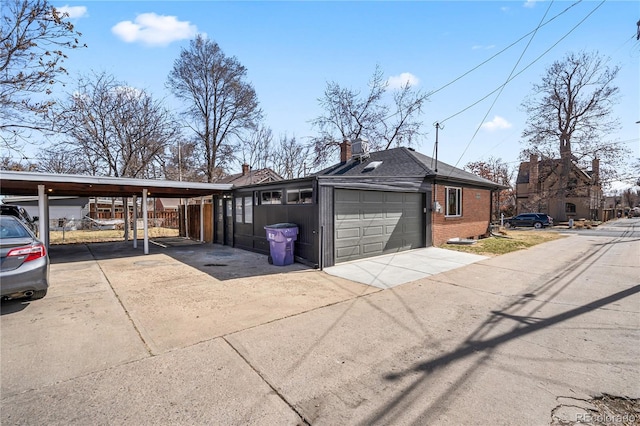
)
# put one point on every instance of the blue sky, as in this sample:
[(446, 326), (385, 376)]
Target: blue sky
[(291, 49)]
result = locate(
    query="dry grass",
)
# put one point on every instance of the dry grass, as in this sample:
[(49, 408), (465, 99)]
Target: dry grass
[(93, 236), (507, 242)]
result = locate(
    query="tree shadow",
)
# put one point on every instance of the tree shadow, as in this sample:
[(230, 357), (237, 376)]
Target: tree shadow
[(471, 346)]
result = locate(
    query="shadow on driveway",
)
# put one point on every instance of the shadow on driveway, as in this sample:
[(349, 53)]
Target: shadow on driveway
[(221, 262)]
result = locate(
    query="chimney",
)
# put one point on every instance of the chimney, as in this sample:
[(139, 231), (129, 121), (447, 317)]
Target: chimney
[(595, 171), (345, 151), (533, 174), (245, 169)]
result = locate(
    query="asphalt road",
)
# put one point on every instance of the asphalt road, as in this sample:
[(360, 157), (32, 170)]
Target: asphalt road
[(527, 338)]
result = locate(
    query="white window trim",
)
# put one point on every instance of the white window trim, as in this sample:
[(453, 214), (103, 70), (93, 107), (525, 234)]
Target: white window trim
[(459, 201)]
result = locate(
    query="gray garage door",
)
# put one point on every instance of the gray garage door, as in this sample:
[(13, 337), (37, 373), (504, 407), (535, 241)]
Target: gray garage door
[(370, 223)]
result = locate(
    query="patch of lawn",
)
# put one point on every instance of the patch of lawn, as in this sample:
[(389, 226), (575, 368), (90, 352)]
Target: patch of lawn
[(507, 242), (97, 236)]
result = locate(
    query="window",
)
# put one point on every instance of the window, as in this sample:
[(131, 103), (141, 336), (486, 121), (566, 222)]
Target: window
[(454, 201), (570, 208), (239, 210), (248, 209), (271, 197), (300, 196), (244, 209)]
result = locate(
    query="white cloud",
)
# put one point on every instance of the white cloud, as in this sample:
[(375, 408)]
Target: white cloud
[(154, 30), (479, 47), (498, 123), (74, 12), (530, 3), (398, 81)]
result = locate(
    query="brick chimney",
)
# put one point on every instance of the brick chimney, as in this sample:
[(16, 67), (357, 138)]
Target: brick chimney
[(595, 171), (533, 174), (345, 151), (245, 169)]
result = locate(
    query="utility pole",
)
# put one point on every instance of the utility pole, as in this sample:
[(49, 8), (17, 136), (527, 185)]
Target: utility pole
[(437, 126)]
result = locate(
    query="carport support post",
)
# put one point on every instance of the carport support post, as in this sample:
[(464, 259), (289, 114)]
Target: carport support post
[(135, 220), (201, 219), (43, 212), (145, 221)]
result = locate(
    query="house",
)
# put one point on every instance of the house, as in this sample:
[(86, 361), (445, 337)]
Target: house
[(544, 186), (249, 177), (167, 204), (63, 211), (366, 205)]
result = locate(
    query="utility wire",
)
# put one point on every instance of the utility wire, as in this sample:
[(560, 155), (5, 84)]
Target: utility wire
[(433, 92), (503, 86), (505, 49), (527, 67), (524, 69)]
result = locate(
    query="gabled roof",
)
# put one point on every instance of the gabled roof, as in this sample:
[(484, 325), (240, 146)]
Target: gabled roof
[(546, 167), (402, 163), (251, 177)]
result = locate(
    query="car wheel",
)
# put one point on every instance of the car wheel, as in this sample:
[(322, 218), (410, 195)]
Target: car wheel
[(38, 294), (508, 225), (537, 225)]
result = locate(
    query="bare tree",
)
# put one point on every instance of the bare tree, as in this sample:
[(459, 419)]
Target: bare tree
[(181, 162), (34, 38), (290, 158), (349, 114), (60, 158), (120, 130), (221, 105), (257, 148), (496, 170), (569, 113)]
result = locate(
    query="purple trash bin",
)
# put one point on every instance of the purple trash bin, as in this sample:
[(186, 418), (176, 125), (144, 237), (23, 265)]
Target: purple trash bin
[(281, 237)]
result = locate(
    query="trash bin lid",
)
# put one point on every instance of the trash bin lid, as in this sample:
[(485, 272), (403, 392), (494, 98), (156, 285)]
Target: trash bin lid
[(281, 225)]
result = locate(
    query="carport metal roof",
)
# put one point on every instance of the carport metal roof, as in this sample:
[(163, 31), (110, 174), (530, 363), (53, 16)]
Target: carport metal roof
[(26, 183)]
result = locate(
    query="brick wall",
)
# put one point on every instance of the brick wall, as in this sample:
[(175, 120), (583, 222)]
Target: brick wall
[(474, 222)]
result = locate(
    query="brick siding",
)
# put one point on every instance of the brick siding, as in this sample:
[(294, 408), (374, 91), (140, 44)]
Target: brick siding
[(474, 222)]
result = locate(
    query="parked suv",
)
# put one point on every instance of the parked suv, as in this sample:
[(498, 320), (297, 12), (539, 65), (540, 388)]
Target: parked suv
[(537, 220), (20, 213)]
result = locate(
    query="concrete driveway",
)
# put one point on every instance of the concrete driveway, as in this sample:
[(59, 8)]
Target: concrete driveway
[(525, 338), (390, 270)]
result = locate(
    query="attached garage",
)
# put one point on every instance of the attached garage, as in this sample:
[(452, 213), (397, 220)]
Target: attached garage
[(370, 223)]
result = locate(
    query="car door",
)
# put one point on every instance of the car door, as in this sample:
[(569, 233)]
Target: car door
[(524, 220)]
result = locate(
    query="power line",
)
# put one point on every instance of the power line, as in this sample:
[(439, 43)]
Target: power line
[(527, 67), (433, 92), (503, 86), (518, 73), (505, 49)]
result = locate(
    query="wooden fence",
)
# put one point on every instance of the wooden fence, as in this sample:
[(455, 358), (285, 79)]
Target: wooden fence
[(166, 219)]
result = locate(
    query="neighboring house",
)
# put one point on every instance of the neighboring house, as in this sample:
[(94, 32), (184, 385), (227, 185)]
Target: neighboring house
[(539, 188), (167, 204), (251, 177), (63, 211), (380, 202)]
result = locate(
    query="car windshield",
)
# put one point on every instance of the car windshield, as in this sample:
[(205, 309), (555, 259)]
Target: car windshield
[(11, 228)]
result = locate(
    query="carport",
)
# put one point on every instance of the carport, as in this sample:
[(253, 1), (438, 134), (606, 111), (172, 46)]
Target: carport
[(44, 185)]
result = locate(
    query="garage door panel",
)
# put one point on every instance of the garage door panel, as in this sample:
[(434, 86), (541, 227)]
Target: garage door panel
[(348, 252), (372, 248), (387, 222), (371, 197), (348, 233), (373, 230), (394, 197)]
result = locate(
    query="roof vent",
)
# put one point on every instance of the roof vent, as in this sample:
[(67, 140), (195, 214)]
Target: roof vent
[(372, 166), (360, 149)]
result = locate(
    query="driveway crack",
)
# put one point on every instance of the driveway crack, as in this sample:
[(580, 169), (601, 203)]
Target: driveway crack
[(264, 379), (126, 311)]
